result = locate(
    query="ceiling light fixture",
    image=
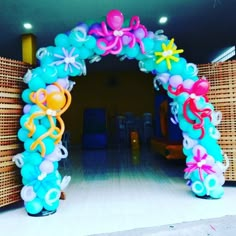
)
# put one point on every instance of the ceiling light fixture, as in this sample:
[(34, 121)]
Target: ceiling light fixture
[(27, 26), (163, 20), (226, 55)]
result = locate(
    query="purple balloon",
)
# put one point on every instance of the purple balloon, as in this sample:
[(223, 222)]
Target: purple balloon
[(27, 108), (64, 82), (164, 77), (139, 33), (126, 40), (175, 81), (52, 88), (46, 167), (188, 83), (151, 34)]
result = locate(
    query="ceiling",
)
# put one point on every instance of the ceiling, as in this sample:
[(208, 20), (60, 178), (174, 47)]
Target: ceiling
[(201, 27)]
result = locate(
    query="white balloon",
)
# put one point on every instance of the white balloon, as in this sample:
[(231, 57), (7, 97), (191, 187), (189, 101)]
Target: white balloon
[(65, 182), (27, 193), (18, 159)]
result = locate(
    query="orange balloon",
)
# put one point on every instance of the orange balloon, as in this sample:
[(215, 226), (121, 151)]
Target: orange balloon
[(56, 100)]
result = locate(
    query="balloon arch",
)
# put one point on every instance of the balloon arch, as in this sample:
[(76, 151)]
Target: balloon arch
[(48, 97)]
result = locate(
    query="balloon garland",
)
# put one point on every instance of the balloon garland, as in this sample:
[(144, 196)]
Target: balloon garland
[(48, 97)]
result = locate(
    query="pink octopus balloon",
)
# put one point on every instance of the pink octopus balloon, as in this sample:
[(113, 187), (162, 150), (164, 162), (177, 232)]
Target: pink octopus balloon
[(199, 88), (110, 39)]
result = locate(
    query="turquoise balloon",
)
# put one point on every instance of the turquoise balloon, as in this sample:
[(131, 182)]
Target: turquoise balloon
[(49, 146), (61, 71), (132, 52), (45, 121), (26, 96), (149, 64), (161, 67), (98, 51), (22, 134), (158, 45), (24, 119), (49, 74), (90, 43), (148, 45), (177, 68), (194, 133), (84, 53), (36, 83), (40, 130), (27, 144), (28, 171), (41, 192), (217, 192), (34, 207), (181, 98), (51, 207), (37, 71), (198, 188), (75, 38), (215, 151), (195, 176), (35, 158), (36, 109), (189, 155), (46, 60), (184, 124), (62, 40), (56, 165)]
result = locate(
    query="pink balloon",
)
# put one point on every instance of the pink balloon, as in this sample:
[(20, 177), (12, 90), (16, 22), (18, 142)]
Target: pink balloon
[(115, 19), (175, 81), (188, 83)]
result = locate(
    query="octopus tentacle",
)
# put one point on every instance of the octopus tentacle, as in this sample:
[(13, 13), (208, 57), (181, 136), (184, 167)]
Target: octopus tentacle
[(118, 47)]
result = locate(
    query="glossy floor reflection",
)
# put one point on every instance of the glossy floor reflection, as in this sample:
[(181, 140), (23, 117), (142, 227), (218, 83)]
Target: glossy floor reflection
[(119, 189)]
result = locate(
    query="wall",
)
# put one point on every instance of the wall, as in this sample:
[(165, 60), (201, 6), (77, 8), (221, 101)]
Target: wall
[(118, 92)]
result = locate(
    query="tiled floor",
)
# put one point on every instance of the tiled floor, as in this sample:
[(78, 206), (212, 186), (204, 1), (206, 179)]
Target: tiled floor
[(113, 190)]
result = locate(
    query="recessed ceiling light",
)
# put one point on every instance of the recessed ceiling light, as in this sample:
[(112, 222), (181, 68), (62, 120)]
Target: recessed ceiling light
[(27, 26), (163, 20)]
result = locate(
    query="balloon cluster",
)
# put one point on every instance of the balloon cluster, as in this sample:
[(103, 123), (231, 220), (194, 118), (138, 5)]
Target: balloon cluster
[(197, 120), (48, 97)]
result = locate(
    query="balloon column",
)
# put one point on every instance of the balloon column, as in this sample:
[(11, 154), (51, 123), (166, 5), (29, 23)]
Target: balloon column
[(48, 97)]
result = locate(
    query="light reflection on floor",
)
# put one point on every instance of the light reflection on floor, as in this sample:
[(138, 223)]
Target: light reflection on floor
[(119, 189)]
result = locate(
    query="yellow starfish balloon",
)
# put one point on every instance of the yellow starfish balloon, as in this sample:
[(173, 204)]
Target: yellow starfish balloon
[(168, 53)]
